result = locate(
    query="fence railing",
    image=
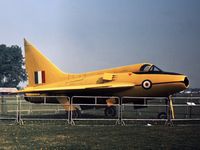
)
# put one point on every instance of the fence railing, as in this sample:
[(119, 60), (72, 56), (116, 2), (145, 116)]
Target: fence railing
[(98, 109)]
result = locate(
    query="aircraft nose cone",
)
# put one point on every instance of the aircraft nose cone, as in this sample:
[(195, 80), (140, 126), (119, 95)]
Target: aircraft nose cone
[(186, 82)]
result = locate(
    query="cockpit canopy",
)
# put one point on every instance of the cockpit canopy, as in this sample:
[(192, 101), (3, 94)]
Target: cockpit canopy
[(149, 68)]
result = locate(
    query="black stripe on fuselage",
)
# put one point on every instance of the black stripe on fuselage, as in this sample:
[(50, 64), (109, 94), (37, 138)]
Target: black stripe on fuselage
[(157, 72)]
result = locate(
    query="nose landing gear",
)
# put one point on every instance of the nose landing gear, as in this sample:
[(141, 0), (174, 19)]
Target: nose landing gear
[(169, 114)]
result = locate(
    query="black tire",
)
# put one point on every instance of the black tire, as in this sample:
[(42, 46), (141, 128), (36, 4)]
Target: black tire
[(162, 115), (75, 113), (110, 111)]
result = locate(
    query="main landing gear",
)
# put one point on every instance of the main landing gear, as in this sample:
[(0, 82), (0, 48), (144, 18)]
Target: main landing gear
[(110, 111), (74, 113)]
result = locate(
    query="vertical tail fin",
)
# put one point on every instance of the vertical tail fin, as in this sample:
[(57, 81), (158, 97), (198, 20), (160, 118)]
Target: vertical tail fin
[(39, 68)]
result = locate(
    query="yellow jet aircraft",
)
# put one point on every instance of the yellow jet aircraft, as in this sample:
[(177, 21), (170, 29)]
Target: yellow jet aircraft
[(138, 80)]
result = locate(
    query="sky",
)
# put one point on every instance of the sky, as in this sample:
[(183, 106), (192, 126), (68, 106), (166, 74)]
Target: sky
[(85, 35)]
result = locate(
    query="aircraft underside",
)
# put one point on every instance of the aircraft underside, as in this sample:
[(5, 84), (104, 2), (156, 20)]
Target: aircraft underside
[(109, 109)]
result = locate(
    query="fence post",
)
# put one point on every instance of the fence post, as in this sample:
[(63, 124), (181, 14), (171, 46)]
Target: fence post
[(69, 111), (71, 121), (3, 105), (18, 114), (121, 111)]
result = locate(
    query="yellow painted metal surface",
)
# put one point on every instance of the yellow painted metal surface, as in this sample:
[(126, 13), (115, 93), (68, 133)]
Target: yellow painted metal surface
[(35, 61), (172, 108), (130, 78), (108, 76)]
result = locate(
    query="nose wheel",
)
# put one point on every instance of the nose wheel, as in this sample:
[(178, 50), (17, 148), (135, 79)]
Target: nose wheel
[(110, 111), (162, 115), (169, 113)]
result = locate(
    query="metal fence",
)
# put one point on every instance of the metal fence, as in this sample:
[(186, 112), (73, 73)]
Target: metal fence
[(155, 109), (9, 108), (97, 110)]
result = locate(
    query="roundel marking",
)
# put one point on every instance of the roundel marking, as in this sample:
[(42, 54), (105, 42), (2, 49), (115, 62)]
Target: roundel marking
[(146, 84)]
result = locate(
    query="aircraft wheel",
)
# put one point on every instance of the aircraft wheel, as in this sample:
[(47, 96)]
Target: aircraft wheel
[(75, 113), (110, 111), (162, 115)]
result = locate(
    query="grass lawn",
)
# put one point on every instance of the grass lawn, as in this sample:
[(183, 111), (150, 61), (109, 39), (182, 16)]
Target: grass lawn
[(58, 135)]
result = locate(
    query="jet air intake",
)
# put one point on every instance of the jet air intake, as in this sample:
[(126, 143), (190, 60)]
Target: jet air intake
[(186, 82)]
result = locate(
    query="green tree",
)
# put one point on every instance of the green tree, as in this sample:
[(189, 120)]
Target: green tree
[(12, 69)]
